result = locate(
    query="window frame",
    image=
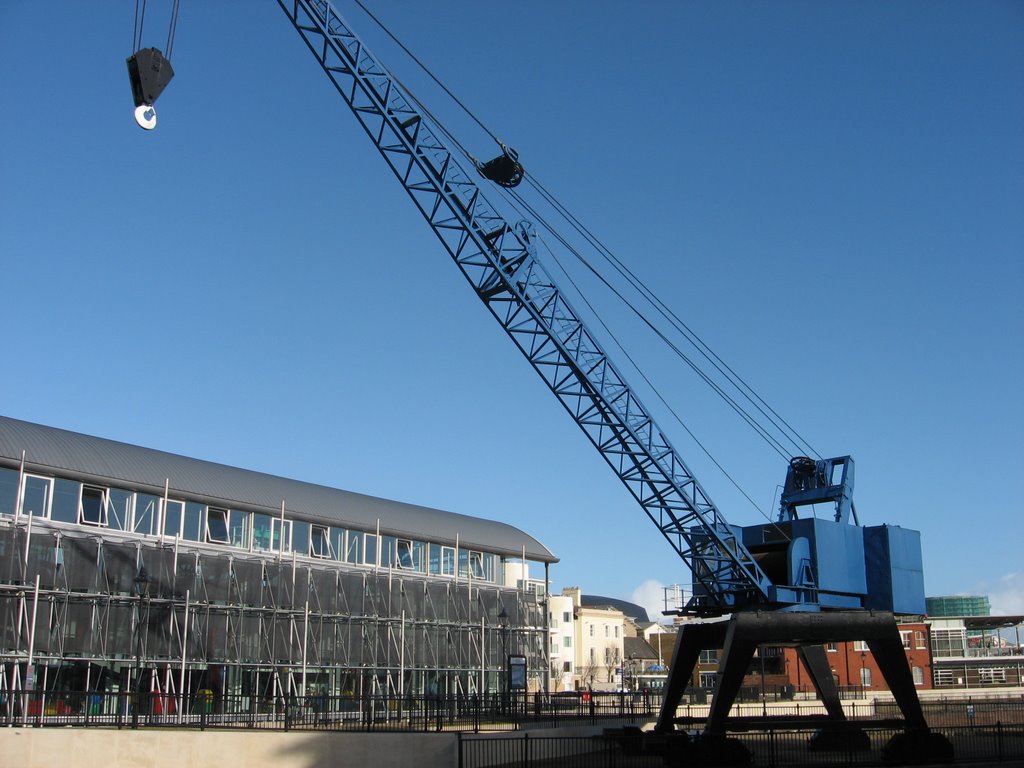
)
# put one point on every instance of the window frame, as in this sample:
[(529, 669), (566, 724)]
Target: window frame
[(321, 533), (449, 561), (405, 547), (101, 508), (476, 565), (225, 515), (47, 502), (164, 506)]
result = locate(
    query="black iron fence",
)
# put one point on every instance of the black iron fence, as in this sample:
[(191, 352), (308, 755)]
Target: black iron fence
[(775, 748), (207, 709), (491, 712)]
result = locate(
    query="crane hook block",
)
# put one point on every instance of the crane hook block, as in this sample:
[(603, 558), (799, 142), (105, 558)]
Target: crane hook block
[(505, 169), (149, 73)]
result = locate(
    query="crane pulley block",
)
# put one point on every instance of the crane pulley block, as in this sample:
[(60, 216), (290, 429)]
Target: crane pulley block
[(149, 72), (505, 169)]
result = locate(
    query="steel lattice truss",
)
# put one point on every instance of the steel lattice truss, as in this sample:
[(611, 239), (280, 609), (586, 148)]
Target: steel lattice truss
[(499, 262)]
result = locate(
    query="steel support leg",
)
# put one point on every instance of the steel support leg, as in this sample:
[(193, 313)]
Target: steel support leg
[(816, 661), (690, 641)]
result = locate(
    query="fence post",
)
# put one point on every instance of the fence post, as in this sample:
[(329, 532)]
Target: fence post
[(526, 749), (999, 740), (459, 734)]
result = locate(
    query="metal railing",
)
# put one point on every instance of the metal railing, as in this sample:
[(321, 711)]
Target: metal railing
[(774, 748), (206, 709), (491, 712)]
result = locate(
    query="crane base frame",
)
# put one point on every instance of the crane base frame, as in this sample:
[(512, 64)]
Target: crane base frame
[(739, 635)]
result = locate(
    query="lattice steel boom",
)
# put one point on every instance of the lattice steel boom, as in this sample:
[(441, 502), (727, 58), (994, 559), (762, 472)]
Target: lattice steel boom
[(499, 262)]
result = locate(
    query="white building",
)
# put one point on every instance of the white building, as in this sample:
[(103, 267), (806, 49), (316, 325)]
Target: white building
[(599, 632)]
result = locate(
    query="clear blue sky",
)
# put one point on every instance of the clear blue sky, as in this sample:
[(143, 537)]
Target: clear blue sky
[(831, 194)]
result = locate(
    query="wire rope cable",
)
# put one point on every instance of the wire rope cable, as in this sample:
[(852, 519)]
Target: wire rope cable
[(173, 26), (138, 26), (765, 421), (769, 413), (140, 21), (429, 74), (611, 334)]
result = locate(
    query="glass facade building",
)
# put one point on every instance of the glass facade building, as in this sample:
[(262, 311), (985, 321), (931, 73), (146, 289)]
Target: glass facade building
[(124, 567)]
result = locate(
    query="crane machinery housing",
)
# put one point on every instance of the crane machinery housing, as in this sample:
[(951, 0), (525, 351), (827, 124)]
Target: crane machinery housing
[(801, 581)]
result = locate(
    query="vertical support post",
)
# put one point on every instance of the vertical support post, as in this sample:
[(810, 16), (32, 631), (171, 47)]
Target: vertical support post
[(162, 511), (305, 639), (30, 672), (18, 493), (184, 657)]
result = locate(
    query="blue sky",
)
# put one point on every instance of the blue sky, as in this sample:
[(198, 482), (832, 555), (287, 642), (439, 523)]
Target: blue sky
[(830, 194)]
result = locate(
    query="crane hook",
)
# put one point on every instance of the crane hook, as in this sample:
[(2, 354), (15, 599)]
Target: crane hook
[(149, 73)]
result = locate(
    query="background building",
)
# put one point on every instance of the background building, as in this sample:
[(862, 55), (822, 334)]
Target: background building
[(958, 605), (125, 567), (599, 633), (977, 652)]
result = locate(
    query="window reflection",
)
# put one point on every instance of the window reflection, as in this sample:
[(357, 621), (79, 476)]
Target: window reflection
[(74, 503)]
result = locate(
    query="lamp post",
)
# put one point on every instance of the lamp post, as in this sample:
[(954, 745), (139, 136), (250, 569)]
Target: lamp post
[(503, 682), (863, 677), (141, 587)]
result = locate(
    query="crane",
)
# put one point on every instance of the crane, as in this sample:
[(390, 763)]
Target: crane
[(797, 580)]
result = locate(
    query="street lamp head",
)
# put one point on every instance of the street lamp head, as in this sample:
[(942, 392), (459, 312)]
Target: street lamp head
[(503, 617)]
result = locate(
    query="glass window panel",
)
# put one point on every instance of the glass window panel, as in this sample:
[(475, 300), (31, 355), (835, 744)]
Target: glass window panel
[(65, 501), (35, 497), (239, 529), (217, 525), (448, 561), (145, 517), (403, 554), (174, 512), (194, 514), (300, 537), (320, 541), (119, 508), (354, 550), (387, 551), (463, 563), (281, 540), (8, 491), (370, 550), (94, 506), (418, 550), (476, 564), (434, 551), (261, 530)]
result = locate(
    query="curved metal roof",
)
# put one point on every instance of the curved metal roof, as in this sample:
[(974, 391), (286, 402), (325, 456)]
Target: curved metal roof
[(108, 462)]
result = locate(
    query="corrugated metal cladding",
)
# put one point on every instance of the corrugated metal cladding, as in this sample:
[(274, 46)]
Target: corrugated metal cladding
[(109, 462)]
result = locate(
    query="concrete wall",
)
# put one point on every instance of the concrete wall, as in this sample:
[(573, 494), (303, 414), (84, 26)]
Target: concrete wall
[(154, 748)]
